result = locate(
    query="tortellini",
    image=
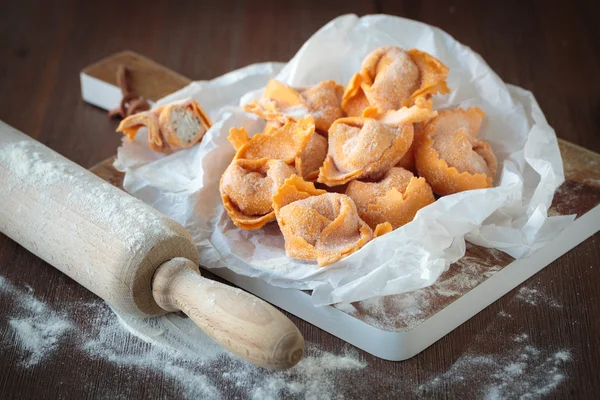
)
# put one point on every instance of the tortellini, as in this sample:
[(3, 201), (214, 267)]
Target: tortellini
[(449, 155), (338, 168)]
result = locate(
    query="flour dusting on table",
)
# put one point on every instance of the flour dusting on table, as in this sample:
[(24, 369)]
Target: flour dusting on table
[(189, 357), (499, 365), (36, 327), (175, 348), (533, 297), (521, 371), (194, 366)]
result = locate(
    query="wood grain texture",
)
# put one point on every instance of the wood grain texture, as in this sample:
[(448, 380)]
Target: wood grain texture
[(551, 48), (157, 82), (129, 254), (109, 242), (242, 323)]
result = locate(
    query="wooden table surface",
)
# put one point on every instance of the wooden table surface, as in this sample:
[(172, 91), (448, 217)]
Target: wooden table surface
[(550, 48)]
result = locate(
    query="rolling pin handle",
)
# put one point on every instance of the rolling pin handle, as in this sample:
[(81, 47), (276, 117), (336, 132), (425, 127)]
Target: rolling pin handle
[(242, 323)]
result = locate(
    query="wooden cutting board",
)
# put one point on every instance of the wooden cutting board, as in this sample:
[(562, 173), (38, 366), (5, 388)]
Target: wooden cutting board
[(399, 326)]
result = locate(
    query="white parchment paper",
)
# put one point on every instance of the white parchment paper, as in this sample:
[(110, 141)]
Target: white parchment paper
[(511, 217)]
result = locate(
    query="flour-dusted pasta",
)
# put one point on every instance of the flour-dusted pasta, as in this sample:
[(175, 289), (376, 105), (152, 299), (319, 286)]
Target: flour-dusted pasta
[(295, 143), (132, 124), (391, 78), (450, 156), (247, 188), (173, 126), (363, 148), (281, 102), (318, 225), (395, 199)]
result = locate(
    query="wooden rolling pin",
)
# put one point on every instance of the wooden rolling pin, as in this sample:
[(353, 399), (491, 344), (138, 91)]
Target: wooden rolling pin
[(126, 252)]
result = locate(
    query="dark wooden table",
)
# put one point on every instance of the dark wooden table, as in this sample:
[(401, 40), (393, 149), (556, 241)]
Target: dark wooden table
[(550, 48)]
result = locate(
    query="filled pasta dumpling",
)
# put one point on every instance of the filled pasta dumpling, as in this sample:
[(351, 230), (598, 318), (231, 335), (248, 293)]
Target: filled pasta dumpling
[(280, 102), (395, 199), (170, 127), (363, 148), (149, 120), (247, 188), (183, 123), (317, 225), (391, 78), (449, 155), (295, 143)]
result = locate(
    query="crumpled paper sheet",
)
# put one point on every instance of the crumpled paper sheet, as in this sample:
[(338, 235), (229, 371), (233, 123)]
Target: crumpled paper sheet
[(511, 217)]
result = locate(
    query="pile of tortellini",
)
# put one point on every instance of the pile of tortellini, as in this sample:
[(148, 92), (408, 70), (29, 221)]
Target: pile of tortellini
[(338, 167)]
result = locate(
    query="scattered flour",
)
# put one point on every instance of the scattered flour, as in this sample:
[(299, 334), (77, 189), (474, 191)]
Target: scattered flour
[(39, 335), (112, 343), (470, 273), (403, 312), (37, 328), (522, 371), (521, 338), (346, 307), (171, 346), (535, 297), (314, 376), (28, 162), (192, 357), (126, 217), (196, 367), (396, 311)]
